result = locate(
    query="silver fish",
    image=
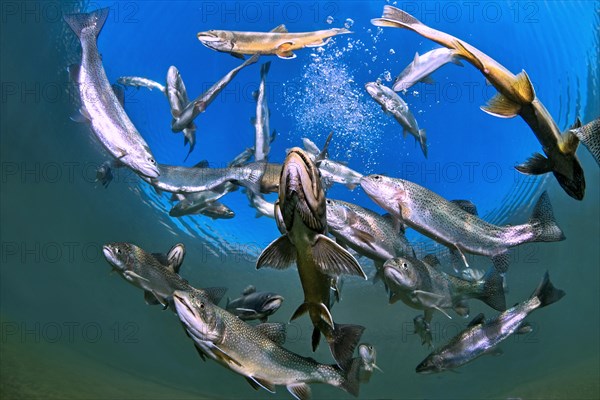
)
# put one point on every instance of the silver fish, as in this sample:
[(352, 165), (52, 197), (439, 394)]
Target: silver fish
[(261, 121), (217, 210), (366, 232), (454, 224), (423, 66), (589, 135), (393, 104), (193, 109), (157, 275), (256, 353), (200, 202), (100, 105), (423, 329), (262, 206), (421, 284), (481, 337), (368, 356), (254, 305), (138, 82), (301, 216), (177, 179)]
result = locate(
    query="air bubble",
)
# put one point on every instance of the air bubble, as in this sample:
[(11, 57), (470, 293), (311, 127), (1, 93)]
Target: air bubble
[(349, 22), (329, 20)]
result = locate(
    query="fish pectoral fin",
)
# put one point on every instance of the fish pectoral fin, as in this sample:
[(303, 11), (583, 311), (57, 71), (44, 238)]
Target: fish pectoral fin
[(461, 308), (300, 391), (223, 356), (524, 329), (285, 46), (365, 237), (524, 87), (394, 297), (537, 164), (133, 277), (249, 290), (247, 311), (332, 259), (280, 254), (279, 29), (275, 331), (150, 299), (215, 294), (429, 300), (500, 106), (252, 383), (268, 386)]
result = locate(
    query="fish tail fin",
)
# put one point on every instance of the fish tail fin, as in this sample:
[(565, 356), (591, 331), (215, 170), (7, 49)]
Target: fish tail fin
[(342, 31), (493, 290), (264, 69), (547, 293), (396, 18), (351, 382), (423, 141), (344, 341), (542, 222), (93, 21)]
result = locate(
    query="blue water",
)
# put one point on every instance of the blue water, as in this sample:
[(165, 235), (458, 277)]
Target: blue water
[(141, 352)]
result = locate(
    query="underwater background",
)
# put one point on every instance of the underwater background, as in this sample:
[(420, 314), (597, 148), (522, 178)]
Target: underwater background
[(70, 329)]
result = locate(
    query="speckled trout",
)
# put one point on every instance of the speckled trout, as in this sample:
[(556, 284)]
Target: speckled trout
[(589, 135), (301, 216), (278, 42), (516, 96), (99, 103), (256, 352), (455, 225)]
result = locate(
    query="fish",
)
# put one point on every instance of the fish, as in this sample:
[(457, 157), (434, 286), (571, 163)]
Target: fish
[(423, 66), (423, 329), (421, 284), (393, 104), (482, 337), (516, 96), (455, 223), (156, 274), (331, 171), (181, 119), (179, 179), (262, 206), (177, 96), (269, 182), (366, 232), (589, 136), (138, 82), (199, 202), (100, 106), (278, 42), (104, 174), (368, 356), (256, 352), (217, 210), (254, 305), (261, 121), (300, 213)]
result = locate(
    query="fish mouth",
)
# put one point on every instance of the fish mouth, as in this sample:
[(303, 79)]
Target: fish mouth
[(424, 368), (148, 170), (393, 275), (208, 37), (372, 88), (111, 257), (273, 303)]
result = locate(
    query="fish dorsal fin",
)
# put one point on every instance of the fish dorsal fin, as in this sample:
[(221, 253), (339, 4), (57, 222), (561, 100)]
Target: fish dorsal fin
[(215, 294), (576, 124), (524, 87), (466, 205), (268, 386), (333, 260), (202, 164), (416, 58), (175, 257), (223, 356), (324, 154), (301, 391), (431, 260), (120, 93), (478, 320), (249, 289), (275, 331), (279, 29)]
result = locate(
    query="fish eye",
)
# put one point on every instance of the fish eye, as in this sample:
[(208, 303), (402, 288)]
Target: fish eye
[(201, 305), (377, 177), (118, 250), (152, 161), (405, 265)]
